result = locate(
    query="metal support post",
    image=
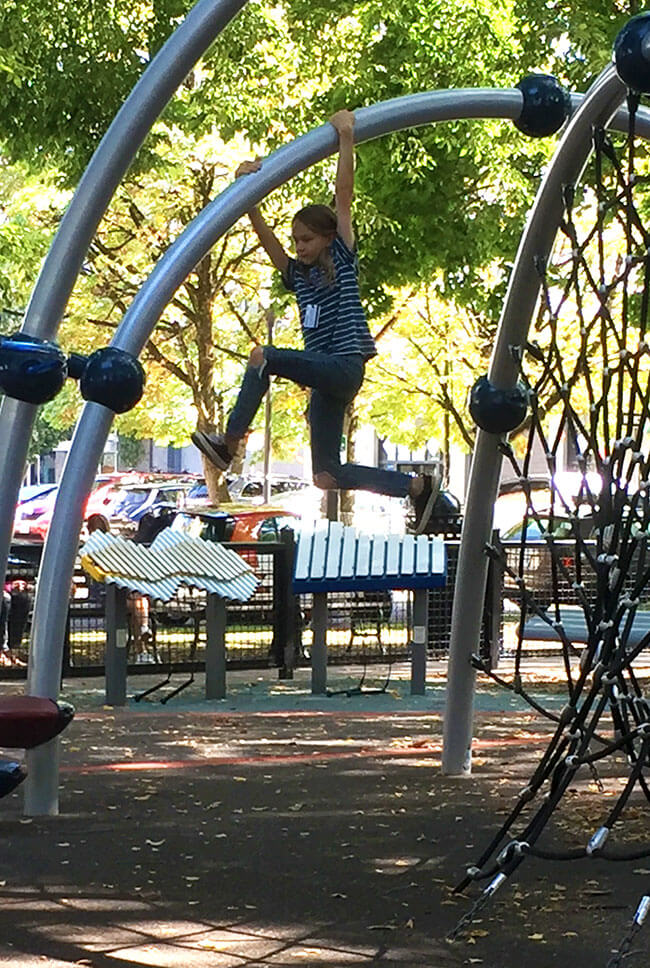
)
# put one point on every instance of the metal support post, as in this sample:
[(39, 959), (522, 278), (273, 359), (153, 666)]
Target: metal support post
[(215, 650), (116, 639), (320, 617), (419, 641), (319, 623), (42, 793), (287, 624)]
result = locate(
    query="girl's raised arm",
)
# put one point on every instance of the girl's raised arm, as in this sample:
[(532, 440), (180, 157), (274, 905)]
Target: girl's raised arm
[(343, 121), (270, 242)]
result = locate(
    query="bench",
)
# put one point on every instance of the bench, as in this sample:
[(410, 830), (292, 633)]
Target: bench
[(575, 626), (334, 558)]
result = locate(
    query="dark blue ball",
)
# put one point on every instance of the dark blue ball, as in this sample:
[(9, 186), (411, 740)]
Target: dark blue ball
[(113, 378), (632, 53), (32, 370), (11, 774), (546, 105), (497, 411)]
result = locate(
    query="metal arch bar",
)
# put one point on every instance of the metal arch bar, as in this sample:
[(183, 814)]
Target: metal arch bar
[(598, 107), (106, 168), (282, 165), (61, 545)]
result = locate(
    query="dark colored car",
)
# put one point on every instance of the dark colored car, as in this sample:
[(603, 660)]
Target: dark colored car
[(528, 553), (446, 516), (136, 500)]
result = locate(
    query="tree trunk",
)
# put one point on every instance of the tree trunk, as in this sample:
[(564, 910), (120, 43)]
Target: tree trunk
[(216, 483), (346, 503)]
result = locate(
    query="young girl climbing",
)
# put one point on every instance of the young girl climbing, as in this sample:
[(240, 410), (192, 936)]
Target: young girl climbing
[(337, 341)]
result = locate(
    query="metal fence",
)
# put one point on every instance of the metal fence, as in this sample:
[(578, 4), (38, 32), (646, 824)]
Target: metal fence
[(441, 602), (363, 626), (554, 578)]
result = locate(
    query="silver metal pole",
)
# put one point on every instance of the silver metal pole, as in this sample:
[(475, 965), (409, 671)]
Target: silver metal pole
[(216, 621), (419, 641), (110, 161), (267, 416), (598, 106), (52, 598)]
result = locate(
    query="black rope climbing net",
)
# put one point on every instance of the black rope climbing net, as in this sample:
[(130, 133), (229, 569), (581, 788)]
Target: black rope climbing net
[(586, 368)]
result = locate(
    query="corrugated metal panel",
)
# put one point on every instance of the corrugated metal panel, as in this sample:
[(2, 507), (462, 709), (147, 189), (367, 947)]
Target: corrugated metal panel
[(170, 561)]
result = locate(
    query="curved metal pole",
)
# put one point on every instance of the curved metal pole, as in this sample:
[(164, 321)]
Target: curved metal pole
[(57, 566), (599, 105), (106, 168)]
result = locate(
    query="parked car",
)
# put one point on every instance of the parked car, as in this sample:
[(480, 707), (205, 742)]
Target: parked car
[(136, 500), (198, 494), (250, 490), (512, 499), (561, 526), (526, 544), (34, 515), (30, 491), (106, 492), (32, 510), (446, 516)]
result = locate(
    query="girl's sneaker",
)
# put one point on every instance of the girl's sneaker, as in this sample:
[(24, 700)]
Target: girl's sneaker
[(213, 446)]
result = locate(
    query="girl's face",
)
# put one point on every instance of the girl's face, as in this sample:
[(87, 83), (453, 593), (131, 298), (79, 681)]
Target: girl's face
[(309, 244)]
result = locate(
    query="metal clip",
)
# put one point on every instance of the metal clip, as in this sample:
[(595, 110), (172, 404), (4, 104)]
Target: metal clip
[(642, 910), (597, 841), (495, 884)]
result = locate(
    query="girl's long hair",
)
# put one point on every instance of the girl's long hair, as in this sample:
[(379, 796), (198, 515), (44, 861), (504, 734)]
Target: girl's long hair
[(322, 220)]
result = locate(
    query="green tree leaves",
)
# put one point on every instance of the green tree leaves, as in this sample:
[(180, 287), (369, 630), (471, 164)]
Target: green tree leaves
[(439, 209)]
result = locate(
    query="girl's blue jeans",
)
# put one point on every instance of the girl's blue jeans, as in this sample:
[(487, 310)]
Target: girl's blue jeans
[(334, 382)]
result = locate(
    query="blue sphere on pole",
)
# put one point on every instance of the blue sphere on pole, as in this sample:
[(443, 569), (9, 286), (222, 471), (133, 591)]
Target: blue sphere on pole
[(11, 774), (632, 53), (32, 370), (113, 378), (497, 411), (546, 105)]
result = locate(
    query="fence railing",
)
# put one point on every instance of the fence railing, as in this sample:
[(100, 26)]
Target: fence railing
[(273, 627)]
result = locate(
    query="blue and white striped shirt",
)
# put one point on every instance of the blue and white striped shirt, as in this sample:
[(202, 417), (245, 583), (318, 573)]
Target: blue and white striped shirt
[(331, 315)]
